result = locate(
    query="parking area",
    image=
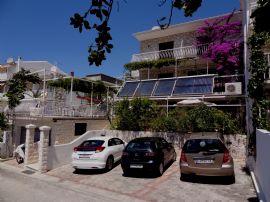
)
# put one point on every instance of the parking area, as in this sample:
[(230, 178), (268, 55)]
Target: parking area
[(168, 187)]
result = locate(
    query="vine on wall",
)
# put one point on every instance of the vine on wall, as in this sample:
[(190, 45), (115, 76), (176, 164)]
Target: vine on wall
[(258, 68)]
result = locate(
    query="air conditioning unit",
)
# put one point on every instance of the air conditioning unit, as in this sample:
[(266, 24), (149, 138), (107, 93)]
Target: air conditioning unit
[(234, 88)]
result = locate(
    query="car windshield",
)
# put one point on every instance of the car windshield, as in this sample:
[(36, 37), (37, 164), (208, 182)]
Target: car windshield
[(144, 145), (204, 145), (92, 143)]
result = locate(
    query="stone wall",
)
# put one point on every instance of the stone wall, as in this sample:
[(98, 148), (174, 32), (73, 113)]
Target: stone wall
[(59, 155), (237, 146)]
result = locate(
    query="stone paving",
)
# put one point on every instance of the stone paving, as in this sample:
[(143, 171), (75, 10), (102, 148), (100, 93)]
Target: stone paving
[(168, 187)]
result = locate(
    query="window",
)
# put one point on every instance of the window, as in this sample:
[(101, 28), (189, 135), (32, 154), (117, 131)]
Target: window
[(37, 135), (204, 145), (166, 50), (92, 143), (118, 141), (111, 142), (80, 128)]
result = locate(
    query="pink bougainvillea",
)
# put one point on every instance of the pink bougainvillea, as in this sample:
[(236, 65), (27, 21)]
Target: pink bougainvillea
[(224, 41)]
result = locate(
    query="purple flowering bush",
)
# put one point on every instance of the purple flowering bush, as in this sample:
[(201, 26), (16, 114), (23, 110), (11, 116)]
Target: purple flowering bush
[(225, 44)]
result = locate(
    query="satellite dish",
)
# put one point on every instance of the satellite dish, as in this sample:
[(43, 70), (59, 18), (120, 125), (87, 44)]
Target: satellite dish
[(10, 60)]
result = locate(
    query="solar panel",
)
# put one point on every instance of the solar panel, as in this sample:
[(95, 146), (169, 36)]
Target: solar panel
[(145, 88), (164, 87), (194, 85), (128, 89)]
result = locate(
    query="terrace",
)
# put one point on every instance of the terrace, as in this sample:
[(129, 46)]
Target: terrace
[(177, 53)]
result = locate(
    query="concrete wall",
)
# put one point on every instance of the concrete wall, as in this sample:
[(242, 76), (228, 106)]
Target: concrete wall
[(59, 155), (184, 39), (262, 166), (63, 129)]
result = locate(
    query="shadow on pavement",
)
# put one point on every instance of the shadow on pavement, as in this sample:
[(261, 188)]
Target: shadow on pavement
[(93, 171), (208, 180)]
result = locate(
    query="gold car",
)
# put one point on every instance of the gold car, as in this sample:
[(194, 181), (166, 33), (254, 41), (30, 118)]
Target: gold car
[(207, 156)]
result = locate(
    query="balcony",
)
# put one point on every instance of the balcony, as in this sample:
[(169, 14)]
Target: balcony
[(177, 53)]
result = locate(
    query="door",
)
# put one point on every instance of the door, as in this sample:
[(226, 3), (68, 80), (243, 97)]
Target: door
[(120, 147)]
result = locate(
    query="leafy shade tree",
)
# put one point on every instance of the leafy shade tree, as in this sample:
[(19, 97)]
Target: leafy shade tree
[(17, 85), (225, 44), (97, 17), (258, 67), (135, 115), (143, 114)]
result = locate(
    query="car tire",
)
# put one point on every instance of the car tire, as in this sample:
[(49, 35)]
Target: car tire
[(109, 163), (126, 173), (184, 177), (231, 179), (19, 159), (160, 169)]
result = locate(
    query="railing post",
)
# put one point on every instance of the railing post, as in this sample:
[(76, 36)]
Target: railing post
[(43, 148), (29, 144)]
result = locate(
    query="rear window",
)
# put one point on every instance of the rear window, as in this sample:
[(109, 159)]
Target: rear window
[(92, 143), (203, 145), (146, 145)]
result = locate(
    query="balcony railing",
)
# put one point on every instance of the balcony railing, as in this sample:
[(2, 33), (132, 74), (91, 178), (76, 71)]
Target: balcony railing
[(177, 53)]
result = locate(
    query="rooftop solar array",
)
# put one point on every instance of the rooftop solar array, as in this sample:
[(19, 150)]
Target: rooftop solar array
[(168, 87)]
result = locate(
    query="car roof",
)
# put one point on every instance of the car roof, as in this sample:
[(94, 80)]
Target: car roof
[(103, 137), (205, 136), (141, 139)]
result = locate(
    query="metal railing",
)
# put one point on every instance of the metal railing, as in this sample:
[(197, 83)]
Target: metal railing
[(177, 53), (53, 108)]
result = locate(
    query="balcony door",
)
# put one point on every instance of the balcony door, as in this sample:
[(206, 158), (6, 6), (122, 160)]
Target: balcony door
[(165, 50)]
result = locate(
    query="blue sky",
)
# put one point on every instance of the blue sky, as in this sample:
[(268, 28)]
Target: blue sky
[(40, 30)]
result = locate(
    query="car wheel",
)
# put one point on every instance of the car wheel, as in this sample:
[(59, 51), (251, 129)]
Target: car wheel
[(160, 169), (126, 172), (231, 179), (109, 163), (19, 159), (185, 177)]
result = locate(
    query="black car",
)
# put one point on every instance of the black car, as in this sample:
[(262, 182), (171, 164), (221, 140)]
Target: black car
[(147, 153)]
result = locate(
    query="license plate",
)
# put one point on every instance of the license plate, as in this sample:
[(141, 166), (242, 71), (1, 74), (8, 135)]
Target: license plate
[(136, 166), (85, 156), (205, 161)]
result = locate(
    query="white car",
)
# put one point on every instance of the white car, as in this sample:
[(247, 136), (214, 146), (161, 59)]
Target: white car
[(98, 153)]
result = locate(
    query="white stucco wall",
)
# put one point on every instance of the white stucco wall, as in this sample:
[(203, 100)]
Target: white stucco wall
[(59, 155), (262, 167)]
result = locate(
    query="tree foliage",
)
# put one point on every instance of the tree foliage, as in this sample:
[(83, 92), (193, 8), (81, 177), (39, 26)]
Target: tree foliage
[(225, 44), (143, 114), (150, 64), (97, 17), (258, 66), (17, 85)]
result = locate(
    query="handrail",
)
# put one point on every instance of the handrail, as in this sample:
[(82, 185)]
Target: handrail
[(177, 53)]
